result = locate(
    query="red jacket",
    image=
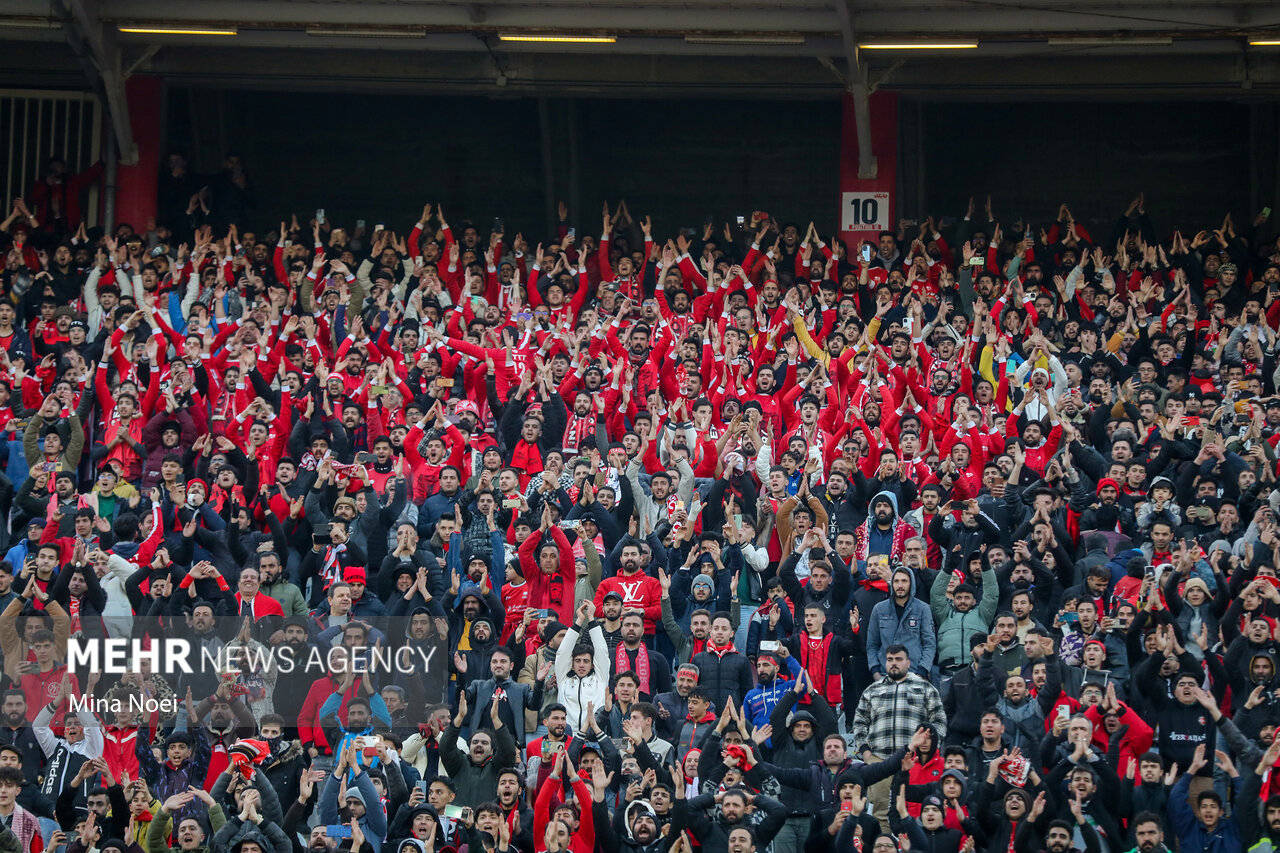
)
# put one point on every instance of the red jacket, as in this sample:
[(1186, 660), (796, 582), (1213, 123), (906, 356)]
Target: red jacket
[(1136, 741), (549, 798), (309, 728), (638, 591), (549, 591)]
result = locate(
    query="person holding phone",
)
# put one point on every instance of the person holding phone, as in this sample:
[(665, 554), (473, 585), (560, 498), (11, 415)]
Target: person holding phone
[(360, 798)]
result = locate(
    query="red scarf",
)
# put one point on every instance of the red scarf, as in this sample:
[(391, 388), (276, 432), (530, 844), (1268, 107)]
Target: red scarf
[(124, 452), (219, 496), (247, 754), (722, 651), (814, 653), (862, 540), (622, 663), (577, 431), (737, 751), (528, 459), (74, 603)]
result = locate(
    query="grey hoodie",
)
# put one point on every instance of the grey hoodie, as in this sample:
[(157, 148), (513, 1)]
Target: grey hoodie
[(910, 625)]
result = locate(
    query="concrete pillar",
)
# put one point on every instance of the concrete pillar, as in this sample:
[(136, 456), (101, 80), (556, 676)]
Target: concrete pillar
[(867, 205)]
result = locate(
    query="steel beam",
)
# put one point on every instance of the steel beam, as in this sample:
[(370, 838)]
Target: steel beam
[(868, 168), (98, 44)]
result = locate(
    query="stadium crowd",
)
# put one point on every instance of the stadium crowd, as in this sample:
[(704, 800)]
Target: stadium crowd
[(961, 540)]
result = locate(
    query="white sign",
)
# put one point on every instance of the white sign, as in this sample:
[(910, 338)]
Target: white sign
[(864, 211)]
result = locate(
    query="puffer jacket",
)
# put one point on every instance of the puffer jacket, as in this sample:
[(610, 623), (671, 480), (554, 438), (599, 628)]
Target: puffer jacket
[(576, 692)]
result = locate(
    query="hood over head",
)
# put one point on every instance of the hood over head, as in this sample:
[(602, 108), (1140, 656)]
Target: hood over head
[(959, 777), (903, 570), (641, 806), (883, 495)]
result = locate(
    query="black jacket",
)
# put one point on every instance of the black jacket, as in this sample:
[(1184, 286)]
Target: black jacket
[(723, 676)]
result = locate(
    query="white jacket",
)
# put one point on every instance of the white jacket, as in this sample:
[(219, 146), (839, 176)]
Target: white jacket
[(577, 692)]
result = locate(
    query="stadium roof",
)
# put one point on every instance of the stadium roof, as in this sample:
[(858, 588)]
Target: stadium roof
[(1005, 50)]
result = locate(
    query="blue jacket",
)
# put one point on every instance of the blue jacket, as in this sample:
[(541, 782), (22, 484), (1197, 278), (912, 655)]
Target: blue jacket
[(497, 560), (761, 701), (434, 507), (374, 822), (15, 460), (1192, 836), (18, 554), (912, 627)]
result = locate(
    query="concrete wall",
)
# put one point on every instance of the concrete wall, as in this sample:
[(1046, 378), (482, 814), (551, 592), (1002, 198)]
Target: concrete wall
[(380, 157), (1195, 161)]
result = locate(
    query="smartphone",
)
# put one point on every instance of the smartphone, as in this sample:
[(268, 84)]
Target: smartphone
[(679, 505), (320, 534), (737, 519), (846, 806), (444, 382), (742, 220), (1148, 571), (866, 254), (337, 830), (454, 812), (572, 233), (360, 223), (510, 503), (364, 457), (379, 227), (975, 261), (497, 225), (769, 645), (1266, 213), (320, 221), (423, 786), (1070, 619), (370, 745), (378, 390)]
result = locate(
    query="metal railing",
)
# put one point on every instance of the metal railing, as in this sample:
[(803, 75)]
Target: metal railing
[(37, 124)]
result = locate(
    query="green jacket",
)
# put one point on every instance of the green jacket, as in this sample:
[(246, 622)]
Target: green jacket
[(955, 628), (289, 596), (158, 834), (72, 449)]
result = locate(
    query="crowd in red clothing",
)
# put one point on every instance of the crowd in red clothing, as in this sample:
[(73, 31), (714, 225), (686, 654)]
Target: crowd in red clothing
[(960, 539)]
